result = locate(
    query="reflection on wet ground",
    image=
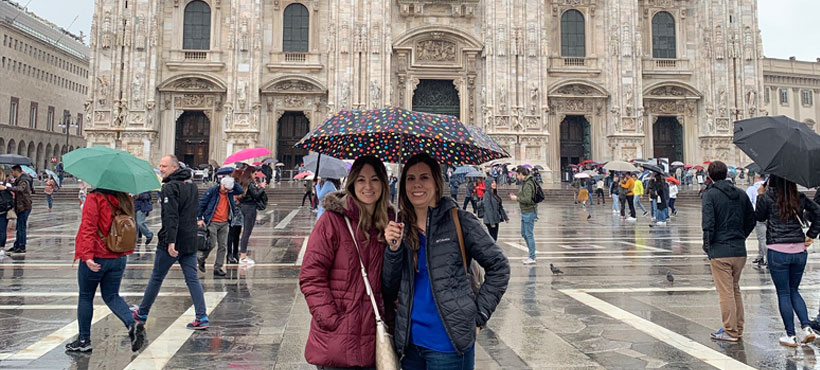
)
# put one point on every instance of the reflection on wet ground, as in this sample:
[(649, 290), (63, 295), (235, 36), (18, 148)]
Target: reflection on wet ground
[(613, 308)]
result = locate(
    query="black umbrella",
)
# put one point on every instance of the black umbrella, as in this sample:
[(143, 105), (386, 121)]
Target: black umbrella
[(781, 146), (754, 167), (14, 159), (654, 168)]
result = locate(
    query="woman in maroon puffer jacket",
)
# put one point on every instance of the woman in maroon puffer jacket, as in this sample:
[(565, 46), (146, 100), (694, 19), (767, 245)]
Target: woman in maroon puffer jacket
[(343, 328)]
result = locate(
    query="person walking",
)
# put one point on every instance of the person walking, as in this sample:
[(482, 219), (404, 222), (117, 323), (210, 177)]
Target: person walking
[(21, 187), (614, 193), (662, 200), (673, 196), (235, 227), (343, 325), (628, 186), (651, 190), (6, 206), (60, 171), (494, 213), (215, 212), (253, 196), (308, 194), (177, 241), (50, 188), (782, 207), (760, 227), (468, 198), (529, 211), (454, 188), (727, 219), (143, 205), (637, 190), (101, 267), (438, 314), (599, 192)]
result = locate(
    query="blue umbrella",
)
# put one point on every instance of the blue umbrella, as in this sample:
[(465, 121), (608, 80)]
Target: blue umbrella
[(30, 171), (54, 176), (225, 171)]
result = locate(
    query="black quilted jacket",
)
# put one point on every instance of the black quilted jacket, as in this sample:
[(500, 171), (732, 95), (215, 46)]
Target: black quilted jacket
[(460, 309), (785, 231)]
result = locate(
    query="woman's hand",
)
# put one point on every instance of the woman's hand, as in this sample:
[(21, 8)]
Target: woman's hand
[(393, 234), (808, 241), (93, 266), (762, 189)]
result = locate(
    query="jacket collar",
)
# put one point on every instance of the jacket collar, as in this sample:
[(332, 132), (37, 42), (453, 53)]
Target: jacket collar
[(339, 202), (180, 174)]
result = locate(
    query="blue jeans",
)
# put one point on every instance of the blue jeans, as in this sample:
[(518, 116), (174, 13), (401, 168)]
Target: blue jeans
[(4, 224), (662, 215), (615, 205), (427, 359), (142, 227), (639, 204), (162, 263), (528, 229), (653, 205), (50, 200), (22, 223), (787, 271), (108, 278)]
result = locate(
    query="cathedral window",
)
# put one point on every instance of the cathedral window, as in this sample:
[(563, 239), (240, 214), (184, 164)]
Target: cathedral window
[(573, 34), (295, 29), (196, 33), (663, 36)]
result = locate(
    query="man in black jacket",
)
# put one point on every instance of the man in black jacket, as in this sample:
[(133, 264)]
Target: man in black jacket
[(177, 240), (727, 220)]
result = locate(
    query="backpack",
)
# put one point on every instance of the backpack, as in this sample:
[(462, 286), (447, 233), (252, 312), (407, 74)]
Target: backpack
[(123, 234), (6, 201), (538, 193)]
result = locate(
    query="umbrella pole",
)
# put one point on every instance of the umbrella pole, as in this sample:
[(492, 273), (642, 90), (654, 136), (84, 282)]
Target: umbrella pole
[(318, 160)]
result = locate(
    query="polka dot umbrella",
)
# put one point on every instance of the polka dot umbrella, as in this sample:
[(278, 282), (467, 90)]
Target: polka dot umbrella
[(395, 134)]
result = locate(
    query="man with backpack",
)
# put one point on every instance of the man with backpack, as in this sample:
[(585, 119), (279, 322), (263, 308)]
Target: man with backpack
[(177, 240), (528, 199), (21, 188)]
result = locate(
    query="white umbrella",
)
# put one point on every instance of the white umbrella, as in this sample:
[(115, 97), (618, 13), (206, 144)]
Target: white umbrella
[(581, 175), (620, 166)]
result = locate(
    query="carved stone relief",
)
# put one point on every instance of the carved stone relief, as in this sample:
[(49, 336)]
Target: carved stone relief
[(435, 51)]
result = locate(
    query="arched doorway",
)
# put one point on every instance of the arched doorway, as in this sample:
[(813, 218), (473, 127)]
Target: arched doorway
[(2, 146), (437, 96), (192, 139), (667, 135), (11, 147), (40, 160), (576, 140), (291, 128), (21, 148)]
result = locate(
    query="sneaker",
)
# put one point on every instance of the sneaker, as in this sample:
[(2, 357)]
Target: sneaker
[(631, 219), (219, 273), (806, 335), (644, 213), (528, 261), (246, 261), (199, 324), (137, 317), (722, 335), (148, 241), (814, 324), (789, 341), (661, 223), (614, 211), (201, 264), (757, 261), (79, 345), (136, 332)]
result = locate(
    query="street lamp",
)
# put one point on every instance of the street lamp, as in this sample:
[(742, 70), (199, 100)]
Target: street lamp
[(68, 126)]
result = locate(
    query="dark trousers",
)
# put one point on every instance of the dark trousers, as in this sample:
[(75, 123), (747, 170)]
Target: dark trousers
[(162, 264), (50, 200), (22, 224), (672, 205), (108, 278), (428, 359), (4, 224), (493, 229), (309, 197), (471, 200), (599, 194), (630, 200), (787, 272), (249, 213), (233, 242), (454, 196)]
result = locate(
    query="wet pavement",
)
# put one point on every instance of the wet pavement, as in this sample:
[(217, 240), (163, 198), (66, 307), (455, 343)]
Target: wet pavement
[(612, 308)]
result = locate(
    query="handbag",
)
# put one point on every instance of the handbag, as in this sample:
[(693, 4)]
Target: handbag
[(479, 208), (386, 358), (203, 239), (11, 214)]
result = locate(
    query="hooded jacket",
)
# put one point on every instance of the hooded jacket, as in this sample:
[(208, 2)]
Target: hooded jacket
[(461, 311), (494, 212), (343, 326), (179, 206), (727, 220), (779, 230)]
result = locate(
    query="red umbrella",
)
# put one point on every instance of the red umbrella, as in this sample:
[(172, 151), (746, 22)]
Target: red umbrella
[(687, 166), (707, 162), (245, 154), (673, 180), (698, 167), (588, 161), (302, 175), (257, 163)]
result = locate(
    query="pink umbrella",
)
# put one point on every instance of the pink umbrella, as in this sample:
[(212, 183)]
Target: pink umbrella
[(257, 163), (245, 154), (302, 175)]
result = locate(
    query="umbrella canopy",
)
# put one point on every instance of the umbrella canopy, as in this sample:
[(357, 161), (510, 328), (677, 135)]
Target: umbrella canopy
[(246, 154), (581, 175), (782, 147), (225, 171), (539, 167), (592, 173), (257, 163), (707, 162), (468, 171), (526, 165), (754, 167), (653, 168), (687, 166), (698, 167), (329, 168), (620, 166), (269, 160), (586, 162), (54, 176), (13, 159), (302, 175), (677, 163), (111, 169), (30, 171), (673, 180), (279, 164), (475, 175), (395, 134)]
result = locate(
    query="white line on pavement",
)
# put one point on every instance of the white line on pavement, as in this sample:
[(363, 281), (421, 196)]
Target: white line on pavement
[(160, 350), (175, 267), (683, 289), (519, 247), (39, 307), (56, 338), (285, 221), (302, 252), (75, 294), (644, 246), (664, 335), (581, 246)]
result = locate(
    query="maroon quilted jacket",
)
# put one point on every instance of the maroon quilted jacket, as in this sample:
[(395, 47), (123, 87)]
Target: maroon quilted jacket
[(343, 328)]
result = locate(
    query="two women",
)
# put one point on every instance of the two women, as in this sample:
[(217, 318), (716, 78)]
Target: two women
[(782, 207)]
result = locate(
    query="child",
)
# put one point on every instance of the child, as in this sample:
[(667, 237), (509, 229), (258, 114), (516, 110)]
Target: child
[(673, 195)]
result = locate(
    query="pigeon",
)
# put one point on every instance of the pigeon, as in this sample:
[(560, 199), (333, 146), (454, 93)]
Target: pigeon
[(589, 216), (669, 277), (555, 270)]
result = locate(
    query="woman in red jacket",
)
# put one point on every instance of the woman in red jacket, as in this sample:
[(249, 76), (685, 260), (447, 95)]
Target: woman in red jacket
[(101, 267), (343, 328)]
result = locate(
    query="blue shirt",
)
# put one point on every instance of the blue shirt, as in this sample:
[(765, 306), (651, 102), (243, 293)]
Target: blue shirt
[(327, 188), (752, 193), (427, 330)]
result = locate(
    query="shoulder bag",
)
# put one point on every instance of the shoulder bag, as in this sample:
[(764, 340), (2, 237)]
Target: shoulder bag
[(386, 358), (475, 273)]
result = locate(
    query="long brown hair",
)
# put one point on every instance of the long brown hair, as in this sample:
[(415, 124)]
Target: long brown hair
[(379, 219), (244, 178), (408, 211), (125, 204), (788, 199)]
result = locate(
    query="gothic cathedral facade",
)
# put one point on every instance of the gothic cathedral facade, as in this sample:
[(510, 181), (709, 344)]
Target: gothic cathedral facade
[(553, 81)]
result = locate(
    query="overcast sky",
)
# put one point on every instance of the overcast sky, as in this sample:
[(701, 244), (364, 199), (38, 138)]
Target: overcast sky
[(789, 27)]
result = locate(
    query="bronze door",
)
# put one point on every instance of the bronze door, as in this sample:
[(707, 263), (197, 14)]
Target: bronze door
[(667, 135), (292, 127), (437, 96), (575, 140), (193, 138)]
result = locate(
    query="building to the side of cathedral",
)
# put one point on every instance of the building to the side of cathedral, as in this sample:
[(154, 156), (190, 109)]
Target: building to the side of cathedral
[(43, 84), (553, 81)]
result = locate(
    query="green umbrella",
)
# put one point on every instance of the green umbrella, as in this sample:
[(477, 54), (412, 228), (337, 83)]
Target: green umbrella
[(111, 169)]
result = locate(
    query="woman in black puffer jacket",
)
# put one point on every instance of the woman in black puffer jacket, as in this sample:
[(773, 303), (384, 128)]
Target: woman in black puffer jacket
[(248, 202), (781, 207)]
